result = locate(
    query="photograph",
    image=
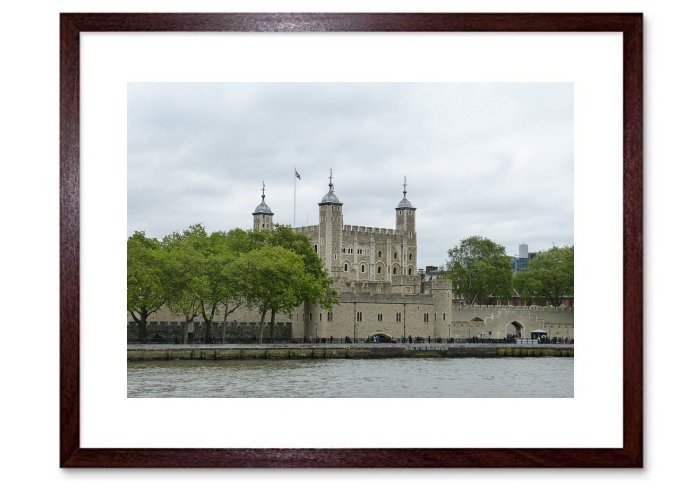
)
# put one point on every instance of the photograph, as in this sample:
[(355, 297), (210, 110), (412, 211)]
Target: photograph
[(350, 240)]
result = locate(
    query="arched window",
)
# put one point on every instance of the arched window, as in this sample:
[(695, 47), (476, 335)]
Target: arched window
[(395, 255), (409, 271), (345, 267), (379, 254), (379, 269), (394, 270), (410, 256), (362, 268)]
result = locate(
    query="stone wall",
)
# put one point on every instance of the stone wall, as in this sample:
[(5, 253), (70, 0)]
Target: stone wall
[(172, 331), (340, 351), (499, 321)]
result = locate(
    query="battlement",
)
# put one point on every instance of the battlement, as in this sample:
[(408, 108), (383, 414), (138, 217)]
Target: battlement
[(543, 309), (308, 229), (369, 230), (420, 299)]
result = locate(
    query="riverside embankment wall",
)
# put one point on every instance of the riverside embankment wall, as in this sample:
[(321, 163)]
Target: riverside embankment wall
[(145, 352)]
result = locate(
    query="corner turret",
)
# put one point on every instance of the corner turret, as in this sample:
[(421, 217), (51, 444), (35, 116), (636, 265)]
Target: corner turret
[(330, 230), (405, 213), (262, 216)]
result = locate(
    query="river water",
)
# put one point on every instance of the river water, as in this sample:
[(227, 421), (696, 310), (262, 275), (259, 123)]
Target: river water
[(379, 378)]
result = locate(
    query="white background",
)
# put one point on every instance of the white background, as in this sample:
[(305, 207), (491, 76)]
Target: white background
[(29, 195), (592, 62)]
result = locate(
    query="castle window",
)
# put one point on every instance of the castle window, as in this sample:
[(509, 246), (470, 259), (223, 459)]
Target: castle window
[(316, 248), (379, 269), (410, 256), (395, 255), (330, 316), (342, 250), (394, 270), (443, 316), (380, 317), (362, 268), (379, 254), (435, 317), (398, 316), (400, 212), (335, 256), (310, 316), (425, 317), (409, 271), (320, 317), (350, 250), (359, 316), (345, 267)]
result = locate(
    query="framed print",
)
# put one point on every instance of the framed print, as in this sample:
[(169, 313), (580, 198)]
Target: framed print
[(328, 218)]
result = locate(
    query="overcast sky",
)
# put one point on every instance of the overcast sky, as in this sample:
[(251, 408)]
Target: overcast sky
[(480, 159)]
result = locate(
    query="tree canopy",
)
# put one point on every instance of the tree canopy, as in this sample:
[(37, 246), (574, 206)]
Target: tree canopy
[(145, 283), (548, 277), (199, 274), (479, 268)]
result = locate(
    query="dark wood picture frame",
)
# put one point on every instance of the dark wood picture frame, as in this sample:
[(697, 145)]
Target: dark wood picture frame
[(71, 453)]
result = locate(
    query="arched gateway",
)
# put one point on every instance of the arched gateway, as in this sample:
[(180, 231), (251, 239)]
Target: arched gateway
[(515, 328), (381, 337)]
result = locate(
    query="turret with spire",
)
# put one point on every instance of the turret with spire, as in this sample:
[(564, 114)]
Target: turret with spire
[(405, 213), (262, 216), (330, 197), (330, 219)]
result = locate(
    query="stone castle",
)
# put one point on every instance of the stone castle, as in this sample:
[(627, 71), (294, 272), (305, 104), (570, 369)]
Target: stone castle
[(381, 291), (374, 271)]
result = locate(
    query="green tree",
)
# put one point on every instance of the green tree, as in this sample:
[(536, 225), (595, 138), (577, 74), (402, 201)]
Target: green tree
[(226, 269), (273, 271), (185, 273), (478, 268), (145, 279), (548, 277), (321, 290), (275, 281)]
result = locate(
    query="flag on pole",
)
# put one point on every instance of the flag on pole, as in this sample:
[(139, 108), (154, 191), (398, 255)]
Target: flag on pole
[(297, 174)]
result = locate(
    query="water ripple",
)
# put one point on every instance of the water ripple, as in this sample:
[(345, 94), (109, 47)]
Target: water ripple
[(502, 377)]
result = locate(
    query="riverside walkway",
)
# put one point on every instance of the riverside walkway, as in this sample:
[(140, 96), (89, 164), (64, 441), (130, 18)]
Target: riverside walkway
[(147, 352)]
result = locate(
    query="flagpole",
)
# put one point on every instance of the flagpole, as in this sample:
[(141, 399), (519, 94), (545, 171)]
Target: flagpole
[(294, 178)]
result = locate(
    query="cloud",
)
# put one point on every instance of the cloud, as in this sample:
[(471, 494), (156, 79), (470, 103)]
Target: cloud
[(492, 159)]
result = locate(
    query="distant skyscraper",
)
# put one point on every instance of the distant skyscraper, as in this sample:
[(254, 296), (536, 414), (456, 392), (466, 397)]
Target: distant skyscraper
[(520, 262), (522, 250)]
